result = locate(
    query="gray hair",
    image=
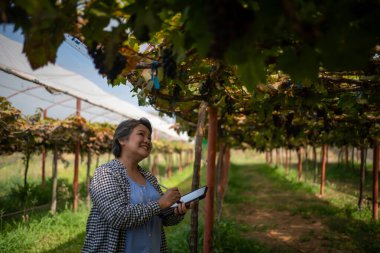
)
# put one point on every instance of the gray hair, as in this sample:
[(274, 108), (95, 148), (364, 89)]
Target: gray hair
[(124, 130)]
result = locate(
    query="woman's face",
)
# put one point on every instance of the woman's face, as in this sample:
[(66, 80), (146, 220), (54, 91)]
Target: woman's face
[(138, 143)]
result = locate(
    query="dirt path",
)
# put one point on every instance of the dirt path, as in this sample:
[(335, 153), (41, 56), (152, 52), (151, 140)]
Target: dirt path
[(281, 217)]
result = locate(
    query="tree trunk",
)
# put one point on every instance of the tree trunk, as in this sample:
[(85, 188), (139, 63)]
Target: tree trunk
[(170, 165), (315, 165), (180, 168), (286, 161), (211, 154), (223, 180), (196, 175), (88, 199), (340, 158), (362, 177), (270, 157), (352, 158), (26, 161), (43, 180), (375, 187), (299, 155), (277, 157), (76, 176), (323, 170), (53, 208), (227, 159), (97, 161)]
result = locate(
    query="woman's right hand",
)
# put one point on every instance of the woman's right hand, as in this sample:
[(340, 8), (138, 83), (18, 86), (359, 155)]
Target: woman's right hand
[(170, 197)]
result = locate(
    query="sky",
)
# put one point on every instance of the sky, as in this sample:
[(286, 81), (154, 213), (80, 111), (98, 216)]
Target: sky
[(73, 57)]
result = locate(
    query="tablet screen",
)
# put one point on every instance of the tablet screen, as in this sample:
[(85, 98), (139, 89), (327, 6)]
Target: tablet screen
[(194, 195)]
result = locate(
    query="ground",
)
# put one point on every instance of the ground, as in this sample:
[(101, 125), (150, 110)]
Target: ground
[(279, 215)]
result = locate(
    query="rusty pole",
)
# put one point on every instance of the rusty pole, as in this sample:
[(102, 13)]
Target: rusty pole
[(323, 170), (211, 155)]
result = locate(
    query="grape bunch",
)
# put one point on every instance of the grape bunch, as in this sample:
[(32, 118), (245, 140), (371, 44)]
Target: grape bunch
[(176, 93), (205, 88), (168, 63), (229, 105), (113, 70)]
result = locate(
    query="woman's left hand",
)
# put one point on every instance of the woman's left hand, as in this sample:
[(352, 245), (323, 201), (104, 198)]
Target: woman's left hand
[(182, 209)]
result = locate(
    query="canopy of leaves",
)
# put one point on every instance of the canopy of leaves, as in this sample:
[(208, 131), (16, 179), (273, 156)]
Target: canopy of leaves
[(281, 73)]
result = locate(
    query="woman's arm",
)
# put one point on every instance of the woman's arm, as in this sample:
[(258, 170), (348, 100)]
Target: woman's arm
[(109, 198)]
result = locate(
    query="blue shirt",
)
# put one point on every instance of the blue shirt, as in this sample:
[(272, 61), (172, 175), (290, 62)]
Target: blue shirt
[(147, 237)]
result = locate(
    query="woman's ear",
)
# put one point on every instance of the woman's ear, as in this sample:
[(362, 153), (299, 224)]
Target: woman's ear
[(122, 141)]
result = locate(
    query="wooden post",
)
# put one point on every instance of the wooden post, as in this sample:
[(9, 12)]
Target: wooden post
[(227, 159), (323, 170), (196, 174), (211, 154), (53, 207), (315, 164), (170, 165), (362, 176), (43, 157), (76, 164), (299, 155), (375, 188), (286, 161), (88, 172), (223, 181), (180, 161), (43, 181), (219, 178), (277, 157)]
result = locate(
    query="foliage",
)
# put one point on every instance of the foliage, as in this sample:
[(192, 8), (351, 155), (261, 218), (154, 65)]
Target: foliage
[(297, 37), (286, 73)]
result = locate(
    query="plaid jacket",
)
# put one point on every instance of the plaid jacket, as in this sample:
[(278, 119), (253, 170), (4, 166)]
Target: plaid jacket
[(112, 214)]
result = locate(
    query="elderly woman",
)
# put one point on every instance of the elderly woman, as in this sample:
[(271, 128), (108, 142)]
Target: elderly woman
[(127, 201)]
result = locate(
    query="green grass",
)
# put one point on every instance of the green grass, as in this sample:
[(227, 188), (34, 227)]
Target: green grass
[(269, 188), (250, 184), (46, 233)]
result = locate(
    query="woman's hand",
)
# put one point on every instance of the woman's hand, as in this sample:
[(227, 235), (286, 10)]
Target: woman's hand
[(182, 209), (170, 197)]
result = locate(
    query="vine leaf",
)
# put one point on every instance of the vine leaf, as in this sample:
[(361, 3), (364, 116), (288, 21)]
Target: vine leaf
[(299, 64), (252, 72)]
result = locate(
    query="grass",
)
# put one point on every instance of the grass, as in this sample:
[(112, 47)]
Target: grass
[(65, 231), (273, 190), (41, 231)]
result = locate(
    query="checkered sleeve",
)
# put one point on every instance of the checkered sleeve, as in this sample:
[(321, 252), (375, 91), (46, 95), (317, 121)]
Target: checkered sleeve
[(107, 194)]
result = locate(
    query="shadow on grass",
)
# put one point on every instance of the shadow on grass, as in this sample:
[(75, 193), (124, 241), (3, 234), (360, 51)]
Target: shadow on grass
[(72, 246)]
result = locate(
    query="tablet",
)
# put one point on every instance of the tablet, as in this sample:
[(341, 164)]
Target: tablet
[(192, 196), (187, 199)]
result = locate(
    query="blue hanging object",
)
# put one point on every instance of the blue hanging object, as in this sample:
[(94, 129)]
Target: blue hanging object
[(154, 75)]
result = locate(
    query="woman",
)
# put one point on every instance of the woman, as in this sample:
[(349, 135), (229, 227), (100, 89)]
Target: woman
[(127, 200)]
